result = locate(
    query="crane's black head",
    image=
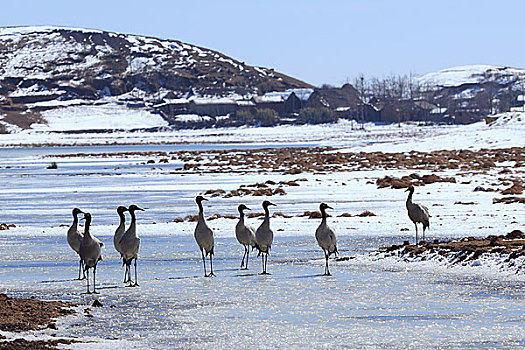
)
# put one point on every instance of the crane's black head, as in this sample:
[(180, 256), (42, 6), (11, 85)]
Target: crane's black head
[(133, 208), (121, 209), (87, 217), (242, 207), (266, 204), (77, 211), (410, 189), (199, 199), (324, 206)]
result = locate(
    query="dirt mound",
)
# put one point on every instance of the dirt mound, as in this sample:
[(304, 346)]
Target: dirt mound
[(468, 248), (19, 315), (412, 179), (313, 214), (366, 213), (516, 188), (508, 200)]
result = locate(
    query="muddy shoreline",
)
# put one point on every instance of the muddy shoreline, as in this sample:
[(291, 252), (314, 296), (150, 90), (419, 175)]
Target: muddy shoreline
[(511, 246), (19, 315)]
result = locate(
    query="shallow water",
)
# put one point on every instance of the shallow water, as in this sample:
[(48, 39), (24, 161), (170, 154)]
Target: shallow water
[(363, 305)]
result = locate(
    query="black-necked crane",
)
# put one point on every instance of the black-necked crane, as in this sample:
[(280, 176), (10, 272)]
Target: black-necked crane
[(130, 244), (74, 238), (264, 236), (245, 235), (326, 238), (119, 232), (417, 212), (204, 237), (90, 252)]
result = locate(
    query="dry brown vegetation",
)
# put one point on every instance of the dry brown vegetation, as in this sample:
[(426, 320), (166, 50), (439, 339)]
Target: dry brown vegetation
[(516, 188), (327, 159), (508, 200), (412, 179), (20, 315), (4, 227), (469, 248)]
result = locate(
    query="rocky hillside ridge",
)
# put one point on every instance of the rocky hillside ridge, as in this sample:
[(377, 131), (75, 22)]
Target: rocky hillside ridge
[(475, 91), (44, 68)]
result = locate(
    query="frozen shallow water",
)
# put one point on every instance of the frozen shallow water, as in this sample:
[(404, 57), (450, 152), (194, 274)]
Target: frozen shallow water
[(365, 304), (360, 306)]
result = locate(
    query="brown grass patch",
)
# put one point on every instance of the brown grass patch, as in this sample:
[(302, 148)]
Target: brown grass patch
[(366, 213)]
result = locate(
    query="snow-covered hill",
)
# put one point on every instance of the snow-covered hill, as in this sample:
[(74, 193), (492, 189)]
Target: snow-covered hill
[(45, 68), (473, 74)]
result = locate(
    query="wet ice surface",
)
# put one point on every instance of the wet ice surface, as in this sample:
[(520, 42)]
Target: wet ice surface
[(359, 306), (363, 305)]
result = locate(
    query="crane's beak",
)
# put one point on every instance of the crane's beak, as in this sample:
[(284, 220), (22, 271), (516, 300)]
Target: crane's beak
[(272, 204), (408, 189), (141, 209), (329, 207), (245, 207)]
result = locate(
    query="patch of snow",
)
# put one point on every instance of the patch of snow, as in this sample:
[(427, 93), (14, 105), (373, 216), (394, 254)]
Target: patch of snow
[(471, 74), (194, 118), (58, 103), (100, 117)]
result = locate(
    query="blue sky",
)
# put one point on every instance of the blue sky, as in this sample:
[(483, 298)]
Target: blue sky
[(330, 41)]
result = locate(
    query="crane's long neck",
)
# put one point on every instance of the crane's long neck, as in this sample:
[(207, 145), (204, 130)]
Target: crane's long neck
[(409, 198), (323, 214), (201, 209), (266, 215), (241, 214), (122, 220), (87, 234), (133, 224), (74, 225)]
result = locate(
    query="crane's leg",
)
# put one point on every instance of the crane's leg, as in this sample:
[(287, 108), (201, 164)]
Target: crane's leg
[(424, 232), (247, 256), (80, 268), (242, 262), (136, 278), (327, 269), (265, 263), (211, 266), (128, 279), (95, 280), (87, 280), (416, 231), (125, 273), (204, 262), (262, 259)]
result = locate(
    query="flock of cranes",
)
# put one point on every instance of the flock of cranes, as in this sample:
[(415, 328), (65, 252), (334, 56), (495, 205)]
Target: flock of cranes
[(127, 243)]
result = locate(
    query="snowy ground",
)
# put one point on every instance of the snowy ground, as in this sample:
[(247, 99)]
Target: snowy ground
[(506, 132), (367, 303)]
